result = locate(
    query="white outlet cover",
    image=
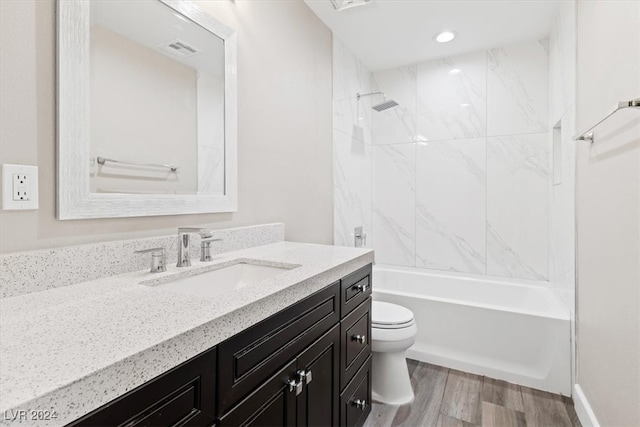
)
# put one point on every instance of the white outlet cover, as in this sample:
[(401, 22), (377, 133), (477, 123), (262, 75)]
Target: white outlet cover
[(8, 203)]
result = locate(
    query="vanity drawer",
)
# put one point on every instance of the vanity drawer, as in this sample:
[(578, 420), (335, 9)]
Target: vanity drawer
[(355, 401), (250, 357), (183, 396), (355, 289), (355, 332)]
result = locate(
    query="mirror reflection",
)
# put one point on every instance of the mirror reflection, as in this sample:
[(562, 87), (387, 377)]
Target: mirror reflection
[(157, 101)]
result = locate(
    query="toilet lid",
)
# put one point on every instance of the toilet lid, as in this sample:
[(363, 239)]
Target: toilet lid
[(384, 313)]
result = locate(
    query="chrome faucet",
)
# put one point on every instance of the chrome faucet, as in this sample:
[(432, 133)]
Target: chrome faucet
[(184, 260)]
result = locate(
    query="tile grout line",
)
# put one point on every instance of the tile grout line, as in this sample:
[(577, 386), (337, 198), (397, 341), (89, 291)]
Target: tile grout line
[(415, 195), (486, 163)]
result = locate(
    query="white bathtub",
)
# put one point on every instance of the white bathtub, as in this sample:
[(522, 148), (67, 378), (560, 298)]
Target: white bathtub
[(507, 329)]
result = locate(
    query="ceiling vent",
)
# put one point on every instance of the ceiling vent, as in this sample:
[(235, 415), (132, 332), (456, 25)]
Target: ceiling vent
[(341, 5), (179, 48)]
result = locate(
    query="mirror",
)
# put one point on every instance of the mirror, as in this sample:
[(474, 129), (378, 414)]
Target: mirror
[(147, 110)]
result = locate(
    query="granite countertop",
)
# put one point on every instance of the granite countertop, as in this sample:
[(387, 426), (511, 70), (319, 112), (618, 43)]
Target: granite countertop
[(74, 348)]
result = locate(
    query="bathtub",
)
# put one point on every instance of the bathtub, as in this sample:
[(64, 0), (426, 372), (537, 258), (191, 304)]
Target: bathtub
[(509, 329)]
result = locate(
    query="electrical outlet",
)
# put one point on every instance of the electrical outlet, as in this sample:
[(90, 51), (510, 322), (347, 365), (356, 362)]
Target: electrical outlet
[(19, 187)]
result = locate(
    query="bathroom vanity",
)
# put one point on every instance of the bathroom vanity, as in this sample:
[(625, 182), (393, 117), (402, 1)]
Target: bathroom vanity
[(289, 349), (309, 364)]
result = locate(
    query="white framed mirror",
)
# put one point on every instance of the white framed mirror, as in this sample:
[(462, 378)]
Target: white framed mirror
[(147, 110)]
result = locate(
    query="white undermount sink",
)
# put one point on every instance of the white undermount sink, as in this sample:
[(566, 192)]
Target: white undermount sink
[(221, 281)]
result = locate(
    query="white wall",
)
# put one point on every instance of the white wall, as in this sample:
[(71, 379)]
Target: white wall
[(460, 168), (284, 125), (608, 211)]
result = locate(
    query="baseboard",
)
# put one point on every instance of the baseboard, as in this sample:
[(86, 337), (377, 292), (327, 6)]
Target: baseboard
[(583, 409)]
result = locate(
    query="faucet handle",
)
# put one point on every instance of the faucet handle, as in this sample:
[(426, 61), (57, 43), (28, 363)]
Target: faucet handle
[(205, 248), (158, 259), (360, 238)]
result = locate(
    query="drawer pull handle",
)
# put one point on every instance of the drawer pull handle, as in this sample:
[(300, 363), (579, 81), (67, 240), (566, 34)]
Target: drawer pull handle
[(360, 403), (304, 375), (362, 288), (295, 386), (360, 338)]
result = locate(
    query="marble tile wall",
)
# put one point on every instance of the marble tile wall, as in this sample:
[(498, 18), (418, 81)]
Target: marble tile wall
[(460, 170), (396, 125), (452, 98), (352, 153), (517, 89), (394, 203), (517, 206), (451, 205)]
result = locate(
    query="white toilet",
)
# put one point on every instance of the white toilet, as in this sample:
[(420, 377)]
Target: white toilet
[(393, 331)]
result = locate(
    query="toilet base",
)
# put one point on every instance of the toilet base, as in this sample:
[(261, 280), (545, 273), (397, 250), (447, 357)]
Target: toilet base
[(390, 379)]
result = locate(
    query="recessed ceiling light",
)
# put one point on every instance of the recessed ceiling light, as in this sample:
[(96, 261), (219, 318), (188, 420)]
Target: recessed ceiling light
[(455, 71), (444, 36), (464, 105)]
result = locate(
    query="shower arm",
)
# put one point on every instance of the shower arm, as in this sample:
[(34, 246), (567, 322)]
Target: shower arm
[(360, 95)]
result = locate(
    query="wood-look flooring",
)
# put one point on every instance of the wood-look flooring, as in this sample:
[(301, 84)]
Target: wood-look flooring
[(450, 398)]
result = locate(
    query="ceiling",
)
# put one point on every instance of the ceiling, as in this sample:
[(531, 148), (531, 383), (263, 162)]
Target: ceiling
[(390, 33), (155, 25)]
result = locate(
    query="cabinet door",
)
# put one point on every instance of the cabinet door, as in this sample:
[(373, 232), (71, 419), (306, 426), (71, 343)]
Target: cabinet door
[(247, 359), (319, 368), (273, 404)]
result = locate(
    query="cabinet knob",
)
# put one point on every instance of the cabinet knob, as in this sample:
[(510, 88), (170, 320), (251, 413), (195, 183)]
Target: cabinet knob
[(360, 403), (360, 338)]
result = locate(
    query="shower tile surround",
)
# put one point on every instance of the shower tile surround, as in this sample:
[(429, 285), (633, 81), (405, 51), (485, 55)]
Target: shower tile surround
[(34, 271), (111, 333), (351, 147), (460, 171)]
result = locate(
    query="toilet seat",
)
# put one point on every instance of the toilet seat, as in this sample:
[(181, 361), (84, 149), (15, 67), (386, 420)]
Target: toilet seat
[(398, 326), (385, 315)]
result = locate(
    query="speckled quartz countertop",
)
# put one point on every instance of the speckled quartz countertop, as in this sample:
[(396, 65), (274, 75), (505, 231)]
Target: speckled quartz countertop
[(74, 348)]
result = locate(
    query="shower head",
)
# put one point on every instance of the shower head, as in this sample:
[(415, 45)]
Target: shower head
[(389, 103), (384, 105)]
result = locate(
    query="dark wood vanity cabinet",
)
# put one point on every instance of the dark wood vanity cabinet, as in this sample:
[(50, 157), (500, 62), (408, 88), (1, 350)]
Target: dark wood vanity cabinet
[(250, 357), (183, 396), (303, 393), (307, 365)]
